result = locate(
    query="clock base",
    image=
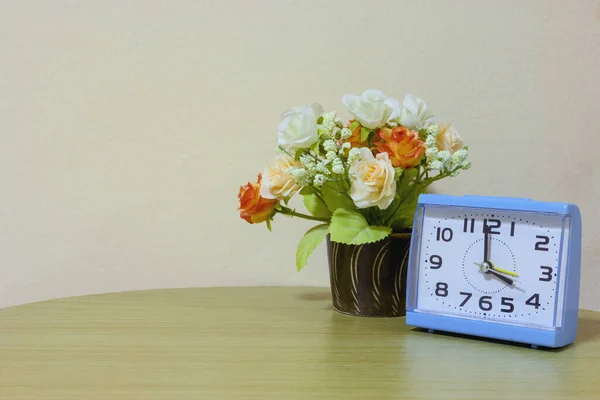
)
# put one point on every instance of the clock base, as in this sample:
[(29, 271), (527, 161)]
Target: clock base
[(483, 329)]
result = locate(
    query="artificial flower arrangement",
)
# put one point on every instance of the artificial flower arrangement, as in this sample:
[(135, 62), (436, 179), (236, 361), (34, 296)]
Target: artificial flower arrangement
[(359, 179)]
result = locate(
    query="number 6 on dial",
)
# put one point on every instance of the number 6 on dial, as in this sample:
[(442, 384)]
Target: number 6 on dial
[(502, 268)]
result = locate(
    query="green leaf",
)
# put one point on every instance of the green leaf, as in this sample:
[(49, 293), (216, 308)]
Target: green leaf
[(409, 175), (354, 125), (323, 131), (404, 217), (307, 190), (299, 152), (335, 198), (268, 224), (352, 228), (399, 172), (309, 243), (316, 206), (316, 148), (364, 133)]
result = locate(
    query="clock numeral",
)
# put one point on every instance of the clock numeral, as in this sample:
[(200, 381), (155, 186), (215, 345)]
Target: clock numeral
[(472, 225), (507, 301), (534, 301), (546, 274), (484, 303), (490, 225), (466, 298), (435, 262), (444, 234), (539, 245), (512, 228), (441, 289)]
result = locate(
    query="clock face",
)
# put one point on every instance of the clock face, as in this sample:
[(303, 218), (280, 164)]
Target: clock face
[(509, 275)]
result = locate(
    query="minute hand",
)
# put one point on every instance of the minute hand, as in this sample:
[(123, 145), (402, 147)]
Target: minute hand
[(486, 250), (503, 271)]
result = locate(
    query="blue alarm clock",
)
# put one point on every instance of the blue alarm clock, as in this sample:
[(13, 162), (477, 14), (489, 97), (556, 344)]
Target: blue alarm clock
[(495, 267)]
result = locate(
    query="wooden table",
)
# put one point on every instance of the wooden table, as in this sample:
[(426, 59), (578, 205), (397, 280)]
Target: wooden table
[(267, 343)]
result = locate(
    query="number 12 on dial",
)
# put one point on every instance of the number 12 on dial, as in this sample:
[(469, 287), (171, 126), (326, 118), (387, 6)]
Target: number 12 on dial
[(503, 268)]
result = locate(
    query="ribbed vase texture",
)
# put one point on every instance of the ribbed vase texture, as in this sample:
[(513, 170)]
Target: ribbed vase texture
[(369, 279)]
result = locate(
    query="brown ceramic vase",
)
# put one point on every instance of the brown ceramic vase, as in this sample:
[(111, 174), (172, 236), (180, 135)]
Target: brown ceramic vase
[(369, 280)]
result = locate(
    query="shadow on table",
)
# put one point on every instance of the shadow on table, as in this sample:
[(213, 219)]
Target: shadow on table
[(476, 338), (588, 330), (322, 295)]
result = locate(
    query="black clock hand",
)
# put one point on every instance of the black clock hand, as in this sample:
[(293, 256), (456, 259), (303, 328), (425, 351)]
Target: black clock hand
[(486, 248), (486, 269), (503, 278)]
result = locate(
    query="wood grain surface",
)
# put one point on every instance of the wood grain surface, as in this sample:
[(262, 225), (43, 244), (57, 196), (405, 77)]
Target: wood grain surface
[(267, 343)]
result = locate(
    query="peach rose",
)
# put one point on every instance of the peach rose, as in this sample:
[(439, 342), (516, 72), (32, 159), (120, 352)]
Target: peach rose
[(278, 182), (448, 139), (373, 181), (402, 145), (253, 207)]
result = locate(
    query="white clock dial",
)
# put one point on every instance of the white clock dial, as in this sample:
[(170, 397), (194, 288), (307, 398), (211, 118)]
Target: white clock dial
[(515, 282)]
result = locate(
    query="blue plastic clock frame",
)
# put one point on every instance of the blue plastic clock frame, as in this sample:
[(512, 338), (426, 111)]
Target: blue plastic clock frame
[(558, 337)]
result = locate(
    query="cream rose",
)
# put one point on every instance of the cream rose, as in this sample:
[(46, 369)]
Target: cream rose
[(298, 127), (277, 182), (373, 109), (448, 139), (414, 114), (373, 181)]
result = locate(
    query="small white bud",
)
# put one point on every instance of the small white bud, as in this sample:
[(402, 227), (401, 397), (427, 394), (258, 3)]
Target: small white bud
[(307, 161), (338, 169), (436, 165), (319, 180), (433, 130), (322, 167), (329, 145), (460, 156), (431, 153), (354, 155), (444, 156), (430, 141)]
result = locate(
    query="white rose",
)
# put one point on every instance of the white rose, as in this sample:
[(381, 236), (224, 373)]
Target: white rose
[(373, 181), (277, 182), (414, 114), (373, 109), (298, 127), (448, 139)]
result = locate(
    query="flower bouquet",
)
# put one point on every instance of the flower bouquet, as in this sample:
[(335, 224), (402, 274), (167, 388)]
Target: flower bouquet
[(360, 180)]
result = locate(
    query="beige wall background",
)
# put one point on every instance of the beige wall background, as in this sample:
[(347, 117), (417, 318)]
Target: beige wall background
[(127, 127)]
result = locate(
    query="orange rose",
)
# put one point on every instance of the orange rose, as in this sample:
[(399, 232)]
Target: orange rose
[(403, 146), (354, 140), (254, 208)]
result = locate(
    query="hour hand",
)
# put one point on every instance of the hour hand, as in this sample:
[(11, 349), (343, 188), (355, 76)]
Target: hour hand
[(486, 267), (503, 278)]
